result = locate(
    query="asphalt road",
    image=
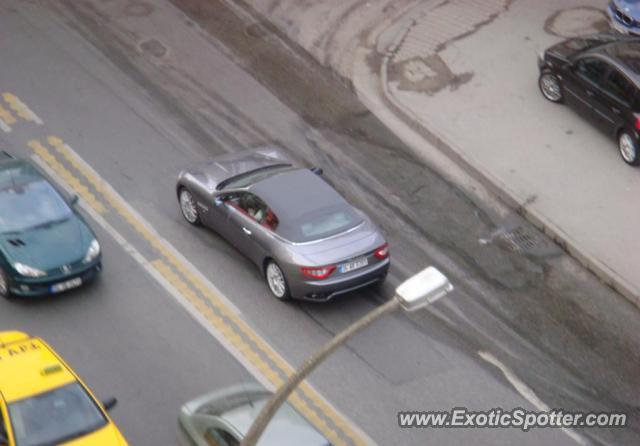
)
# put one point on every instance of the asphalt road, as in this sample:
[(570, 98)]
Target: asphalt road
[(133, 119)]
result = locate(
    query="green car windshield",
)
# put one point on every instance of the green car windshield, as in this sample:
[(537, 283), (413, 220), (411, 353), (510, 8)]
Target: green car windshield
[(30, 205)]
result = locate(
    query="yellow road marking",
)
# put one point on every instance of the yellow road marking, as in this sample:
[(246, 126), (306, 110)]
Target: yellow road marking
[(80, 188), (7, 116), (21, 108), (225, 321)]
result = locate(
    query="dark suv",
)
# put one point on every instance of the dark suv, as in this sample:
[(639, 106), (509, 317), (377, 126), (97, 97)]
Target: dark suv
[(598, 76)]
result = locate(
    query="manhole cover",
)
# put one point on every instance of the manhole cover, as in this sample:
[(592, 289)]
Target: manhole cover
[(257, 30), (153, 47)]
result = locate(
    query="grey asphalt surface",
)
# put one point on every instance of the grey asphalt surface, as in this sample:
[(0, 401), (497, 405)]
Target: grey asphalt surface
[(128, 338)]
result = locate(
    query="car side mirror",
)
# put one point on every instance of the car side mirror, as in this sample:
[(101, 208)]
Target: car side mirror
[(109, 403), (73, 200), (317, 170)]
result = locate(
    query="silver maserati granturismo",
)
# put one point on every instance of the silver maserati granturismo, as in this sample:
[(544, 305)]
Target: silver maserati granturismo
[(308, 242)]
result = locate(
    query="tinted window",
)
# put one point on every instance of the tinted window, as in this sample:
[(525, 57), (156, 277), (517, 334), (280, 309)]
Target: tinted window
[(28, 205), (320, 223), (591, 69), (248, 178), (55, 417), (618, 86)]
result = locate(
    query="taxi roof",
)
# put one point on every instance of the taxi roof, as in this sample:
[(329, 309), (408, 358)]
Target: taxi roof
[(28, 366)]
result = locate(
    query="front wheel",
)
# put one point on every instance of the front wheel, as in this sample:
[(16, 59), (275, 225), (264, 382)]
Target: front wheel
[(188, 206), (550, 87), (4, 285), (628, 148), (277, 281)]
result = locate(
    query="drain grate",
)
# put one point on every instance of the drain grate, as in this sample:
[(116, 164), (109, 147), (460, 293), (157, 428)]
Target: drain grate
[(519, 240), (522, 240)]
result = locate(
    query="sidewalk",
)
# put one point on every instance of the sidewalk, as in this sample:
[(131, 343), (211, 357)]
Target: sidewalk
[(461, 76)]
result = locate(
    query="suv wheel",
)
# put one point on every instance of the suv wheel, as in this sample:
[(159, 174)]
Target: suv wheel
[(628, 148), (550, 87)]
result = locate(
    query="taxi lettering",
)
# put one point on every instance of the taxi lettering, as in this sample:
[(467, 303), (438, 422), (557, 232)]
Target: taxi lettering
[(9, 352)]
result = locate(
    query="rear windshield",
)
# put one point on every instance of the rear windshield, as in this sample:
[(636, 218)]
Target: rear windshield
[(248, 178), (320, 223)]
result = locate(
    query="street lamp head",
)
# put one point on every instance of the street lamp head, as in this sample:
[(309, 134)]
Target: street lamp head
[(422, 289)]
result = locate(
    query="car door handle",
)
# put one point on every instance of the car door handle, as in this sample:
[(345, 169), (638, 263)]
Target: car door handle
[(615, 110), (246, 231), (590, 93)]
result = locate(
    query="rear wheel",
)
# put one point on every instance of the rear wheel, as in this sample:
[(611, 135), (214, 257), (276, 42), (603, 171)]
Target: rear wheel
[(550, 87), (4, 284), (628, 148), (277, 281), (188, 206)]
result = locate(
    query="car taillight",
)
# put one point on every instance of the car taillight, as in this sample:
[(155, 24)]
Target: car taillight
[(637, 122), (318, 272), (382, 252)]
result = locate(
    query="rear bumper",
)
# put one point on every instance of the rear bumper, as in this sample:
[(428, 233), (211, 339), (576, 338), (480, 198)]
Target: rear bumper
[(25, 287), (325, 290)]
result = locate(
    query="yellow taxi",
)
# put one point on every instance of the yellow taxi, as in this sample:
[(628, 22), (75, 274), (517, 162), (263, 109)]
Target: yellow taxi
[(44, 403)]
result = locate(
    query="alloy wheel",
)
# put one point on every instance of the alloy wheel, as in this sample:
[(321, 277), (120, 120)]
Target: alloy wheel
[(550, 87), (4, 286), (276, 280), (628, 148), (188, 206)]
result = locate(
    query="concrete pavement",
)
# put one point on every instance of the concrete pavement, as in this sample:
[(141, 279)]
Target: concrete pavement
[(461, 76)]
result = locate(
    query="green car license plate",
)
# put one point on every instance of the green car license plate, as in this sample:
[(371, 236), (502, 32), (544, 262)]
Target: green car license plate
[(66, 285)]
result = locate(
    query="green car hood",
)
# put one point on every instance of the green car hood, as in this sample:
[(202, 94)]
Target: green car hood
[(49, 247)]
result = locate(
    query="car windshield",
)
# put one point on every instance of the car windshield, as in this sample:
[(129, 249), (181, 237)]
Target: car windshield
[(245, 179), (320, 223), (287, 428), (55, 417), (29, 205)]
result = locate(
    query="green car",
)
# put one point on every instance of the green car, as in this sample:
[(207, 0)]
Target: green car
[(46, 247)]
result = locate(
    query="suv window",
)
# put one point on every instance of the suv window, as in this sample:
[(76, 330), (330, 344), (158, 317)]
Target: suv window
[(591, 70), (619, 87)]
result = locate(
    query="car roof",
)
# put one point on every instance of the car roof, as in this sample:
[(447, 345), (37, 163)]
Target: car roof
[(287, 428), (296, 192), (28, 366)]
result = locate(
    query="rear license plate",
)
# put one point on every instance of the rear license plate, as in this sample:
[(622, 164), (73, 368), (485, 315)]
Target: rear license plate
[(353, 265), (66, 285)]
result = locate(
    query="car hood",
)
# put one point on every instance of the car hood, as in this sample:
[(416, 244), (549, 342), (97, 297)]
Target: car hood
[(107, 436), (352, 243), (49, 247), (629, 7)]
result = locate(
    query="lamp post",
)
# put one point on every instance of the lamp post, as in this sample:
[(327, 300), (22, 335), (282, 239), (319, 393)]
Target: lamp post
[(415, 293)]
